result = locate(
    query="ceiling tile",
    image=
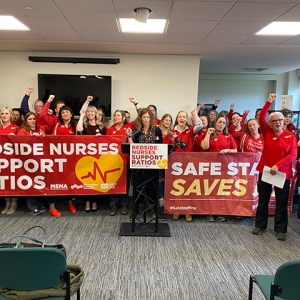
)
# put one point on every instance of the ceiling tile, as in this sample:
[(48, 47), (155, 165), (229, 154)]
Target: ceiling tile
[(39, 8), (60, 29), (193, 32), (200, 10), (257, 11), (293, 15), (142, 38), (87, 8), (95, 29), (232, 32), (265, 40)]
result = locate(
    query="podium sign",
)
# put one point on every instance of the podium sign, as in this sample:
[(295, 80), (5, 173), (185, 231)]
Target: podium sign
[(148, 156)]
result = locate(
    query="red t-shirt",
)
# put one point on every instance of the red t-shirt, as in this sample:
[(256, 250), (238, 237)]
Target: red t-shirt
[(221, 142), (10, 129), (62, 129), (250, 144), (41, 130)]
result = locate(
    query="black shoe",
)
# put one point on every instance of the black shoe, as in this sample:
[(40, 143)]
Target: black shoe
[(258, 231), (87, 210), (280, 236)]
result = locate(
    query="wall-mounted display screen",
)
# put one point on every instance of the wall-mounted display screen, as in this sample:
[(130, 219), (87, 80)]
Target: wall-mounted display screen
[(74, 89)]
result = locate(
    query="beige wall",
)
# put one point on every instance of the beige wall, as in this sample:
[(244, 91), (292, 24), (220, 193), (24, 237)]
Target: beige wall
[(169, 82)]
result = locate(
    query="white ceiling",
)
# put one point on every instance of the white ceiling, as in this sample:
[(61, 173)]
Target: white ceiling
[(222, 31)]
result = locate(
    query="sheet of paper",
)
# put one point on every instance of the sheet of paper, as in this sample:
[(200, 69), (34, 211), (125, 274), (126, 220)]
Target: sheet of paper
[(278, 179)]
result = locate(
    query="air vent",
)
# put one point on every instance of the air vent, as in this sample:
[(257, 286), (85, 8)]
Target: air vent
[(253, 70)]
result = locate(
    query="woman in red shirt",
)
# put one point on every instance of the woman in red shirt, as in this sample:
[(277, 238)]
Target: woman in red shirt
[(219, 140), (90, 123), (120, 127), (7, 128), (29, 127), (252, 140), (66, 125), (185, 133)]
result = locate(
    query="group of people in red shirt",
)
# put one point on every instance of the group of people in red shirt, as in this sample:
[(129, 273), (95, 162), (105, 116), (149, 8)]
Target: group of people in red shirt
[(224, 132)]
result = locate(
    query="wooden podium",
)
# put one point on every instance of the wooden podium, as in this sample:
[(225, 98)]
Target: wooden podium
[(145, 204)]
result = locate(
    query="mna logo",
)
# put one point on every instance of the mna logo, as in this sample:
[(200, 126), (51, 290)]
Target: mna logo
[(58, 186)]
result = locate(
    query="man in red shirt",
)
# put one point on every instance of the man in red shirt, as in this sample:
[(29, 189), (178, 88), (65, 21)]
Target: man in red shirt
[(280, 150)]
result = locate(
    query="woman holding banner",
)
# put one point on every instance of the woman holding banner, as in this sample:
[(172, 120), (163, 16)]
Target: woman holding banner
[(90, 123), (280, 150), (218, 139), (30, 128), (8, 128), (120, 127), (66, 125)]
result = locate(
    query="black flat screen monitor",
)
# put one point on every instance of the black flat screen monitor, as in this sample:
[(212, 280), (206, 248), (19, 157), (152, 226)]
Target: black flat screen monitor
[(74, 89)]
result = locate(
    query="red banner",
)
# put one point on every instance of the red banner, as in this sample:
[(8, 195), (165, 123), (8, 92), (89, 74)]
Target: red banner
[(61, 165), (211, 183)]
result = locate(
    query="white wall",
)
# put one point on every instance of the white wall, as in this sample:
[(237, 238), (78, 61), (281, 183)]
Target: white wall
[(169, 82), (247, 91)]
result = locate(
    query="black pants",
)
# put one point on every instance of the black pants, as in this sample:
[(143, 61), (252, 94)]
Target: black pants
[(281, 195)]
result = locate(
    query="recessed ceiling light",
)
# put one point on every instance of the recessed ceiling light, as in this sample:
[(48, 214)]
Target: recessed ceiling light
[(152, 26), (11, 23), (280, 28), (28, 7)]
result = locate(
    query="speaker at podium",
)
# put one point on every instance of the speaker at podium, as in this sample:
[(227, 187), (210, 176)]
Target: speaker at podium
[(145, 181)]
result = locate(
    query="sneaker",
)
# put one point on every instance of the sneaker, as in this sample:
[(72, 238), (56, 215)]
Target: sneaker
[(43, 210), (258, 231), (113, 210), (54, 213), (72, 208), (188, 218), (280, 236), (210, 218), (124, 210), (220, 218), (160, 217), (175, 217), (161, 202), (35, 212)]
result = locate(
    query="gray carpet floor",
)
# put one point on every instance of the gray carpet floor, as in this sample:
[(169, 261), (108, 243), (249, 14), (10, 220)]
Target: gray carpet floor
[(200, 260)]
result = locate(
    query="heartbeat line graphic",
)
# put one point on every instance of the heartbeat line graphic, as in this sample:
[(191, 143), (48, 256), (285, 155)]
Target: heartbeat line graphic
[(97, 169)]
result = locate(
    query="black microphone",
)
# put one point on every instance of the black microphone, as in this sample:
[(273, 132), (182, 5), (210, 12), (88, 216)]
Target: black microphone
[(133, 133), (182, 144)]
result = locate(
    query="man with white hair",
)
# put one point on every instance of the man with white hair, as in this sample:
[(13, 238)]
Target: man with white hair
[(280, 150)]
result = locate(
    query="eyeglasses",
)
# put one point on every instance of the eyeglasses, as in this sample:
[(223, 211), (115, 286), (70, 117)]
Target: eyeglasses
[(38, 106), (275, 121)]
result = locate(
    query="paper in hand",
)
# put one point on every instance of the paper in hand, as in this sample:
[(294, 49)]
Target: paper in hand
[(278, 179)]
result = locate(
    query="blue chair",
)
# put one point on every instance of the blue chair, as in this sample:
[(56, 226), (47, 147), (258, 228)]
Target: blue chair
[(285, 284), (31, 269)]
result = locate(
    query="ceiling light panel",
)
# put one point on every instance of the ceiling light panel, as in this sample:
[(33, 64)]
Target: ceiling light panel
[(11, 23), (281, 28)]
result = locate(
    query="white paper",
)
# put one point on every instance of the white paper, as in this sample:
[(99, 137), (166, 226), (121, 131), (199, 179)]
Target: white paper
[(278, 179)]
